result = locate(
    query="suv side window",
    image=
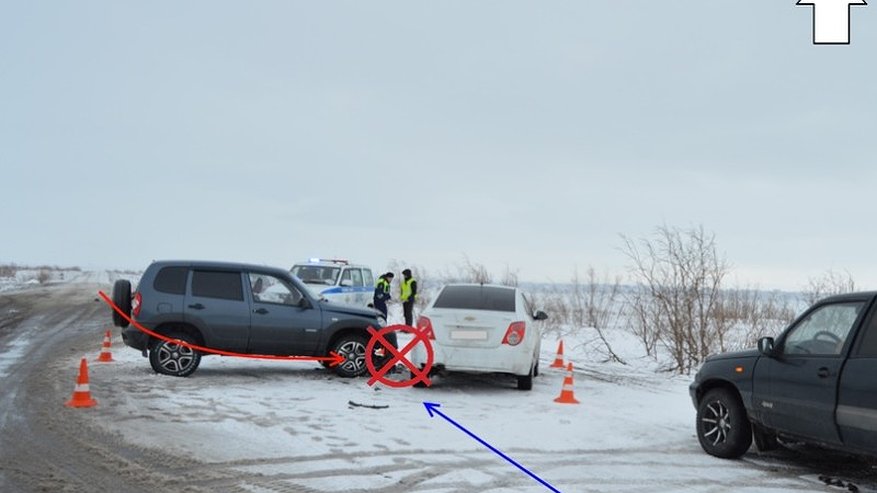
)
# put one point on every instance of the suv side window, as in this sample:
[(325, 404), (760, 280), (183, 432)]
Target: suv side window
[(824, 332), (367, 278), (356, 274), (269, 289), (171, 280), (224, 285)]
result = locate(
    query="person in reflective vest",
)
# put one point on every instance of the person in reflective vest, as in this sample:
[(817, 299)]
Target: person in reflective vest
[(408, 296), (382, 293)]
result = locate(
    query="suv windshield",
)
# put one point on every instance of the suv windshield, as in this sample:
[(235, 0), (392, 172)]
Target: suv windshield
[(477, 298), (317, 274)]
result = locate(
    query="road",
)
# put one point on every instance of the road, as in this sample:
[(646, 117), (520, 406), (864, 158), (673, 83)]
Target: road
[(45, 446)]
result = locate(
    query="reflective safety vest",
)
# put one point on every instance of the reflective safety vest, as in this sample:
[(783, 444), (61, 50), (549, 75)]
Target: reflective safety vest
[(406, 289), (383, 285)]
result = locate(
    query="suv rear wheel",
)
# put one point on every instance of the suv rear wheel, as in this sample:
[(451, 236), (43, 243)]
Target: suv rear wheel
[(174, 359), (352, 348), (723, 428)]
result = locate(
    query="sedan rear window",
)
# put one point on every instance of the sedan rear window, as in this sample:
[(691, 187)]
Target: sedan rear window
[(477, 298)]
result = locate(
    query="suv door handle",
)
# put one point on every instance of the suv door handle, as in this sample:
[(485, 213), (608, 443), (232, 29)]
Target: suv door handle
[(823, 372), (197, 306), (260, 311)]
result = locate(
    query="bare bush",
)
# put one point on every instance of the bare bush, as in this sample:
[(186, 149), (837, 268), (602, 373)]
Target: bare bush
[(828, 284), (43, 276), (509, 277), (680, 274), (747, 314), (595, 305), (8, 270), (474, 272)]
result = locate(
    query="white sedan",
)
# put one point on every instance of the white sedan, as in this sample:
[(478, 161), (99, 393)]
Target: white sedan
[(482, 328)]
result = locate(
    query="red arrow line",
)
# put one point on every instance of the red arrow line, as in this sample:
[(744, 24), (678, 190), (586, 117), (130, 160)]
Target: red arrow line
[(333, 358)]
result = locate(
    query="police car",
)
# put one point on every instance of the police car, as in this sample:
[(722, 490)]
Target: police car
[(337, 280)]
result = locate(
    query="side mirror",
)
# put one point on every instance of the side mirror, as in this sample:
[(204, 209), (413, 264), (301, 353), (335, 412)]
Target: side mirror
[(347, 283), (765, 346), (303, 303), (540, 315)]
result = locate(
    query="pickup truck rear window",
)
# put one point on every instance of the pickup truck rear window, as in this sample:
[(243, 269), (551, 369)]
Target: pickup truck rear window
[(477, 298)]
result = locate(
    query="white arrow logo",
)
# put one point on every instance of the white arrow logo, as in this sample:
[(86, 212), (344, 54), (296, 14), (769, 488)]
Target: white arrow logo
[(831, 20)]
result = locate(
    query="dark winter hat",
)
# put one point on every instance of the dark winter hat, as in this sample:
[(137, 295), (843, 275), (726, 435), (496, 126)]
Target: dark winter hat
[(406, 272)]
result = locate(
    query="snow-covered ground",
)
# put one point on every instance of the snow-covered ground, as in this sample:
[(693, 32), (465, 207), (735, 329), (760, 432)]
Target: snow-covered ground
[(29, 278), (295, 427)]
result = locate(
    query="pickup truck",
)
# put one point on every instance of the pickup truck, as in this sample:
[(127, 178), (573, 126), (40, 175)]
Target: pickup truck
[(815, 383)]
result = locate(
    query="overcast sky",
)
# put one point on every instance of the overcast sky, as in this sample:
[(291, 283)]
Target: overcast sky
[(520, 133)]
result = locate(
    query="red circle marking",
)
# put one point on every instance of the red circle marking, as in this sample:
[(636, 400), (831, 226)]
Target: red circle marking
[(419, 374)]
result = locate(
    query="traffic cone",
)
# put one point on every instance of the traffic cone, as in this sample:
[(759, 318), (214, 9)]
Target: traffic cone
[(558, 361), (105, 355), (81, 394), (566, 393)]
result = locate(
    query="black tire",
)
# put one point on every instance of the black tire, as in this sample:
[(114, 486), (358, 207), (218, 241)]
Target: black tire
[(723, 428), (170, 358), (525, 382), (352, 348), (122, 299)]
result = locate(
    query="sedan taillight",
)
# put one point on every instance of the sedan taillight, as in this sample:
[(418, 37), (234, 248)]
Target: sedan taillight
[(424, 324), (515, 333)]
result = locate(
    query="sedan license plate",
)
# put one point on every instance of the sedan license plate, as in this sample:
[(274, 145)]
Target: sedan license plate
[(469, 335)]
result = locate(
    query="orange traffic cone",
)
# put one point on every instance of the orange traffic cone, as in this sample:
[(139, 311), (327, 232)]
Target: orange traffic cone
[(566, 394), (81, 394), (558, 361), (105, 355)]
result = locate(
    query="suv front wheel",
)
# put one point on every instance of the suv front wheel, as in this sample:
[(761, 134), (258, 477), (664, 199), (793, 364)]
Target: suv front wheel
[(174, 359), (352, 348)]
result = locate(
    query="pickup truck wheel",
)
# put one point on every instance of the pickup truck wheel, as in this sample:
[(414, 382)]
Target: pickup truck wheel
[(122, 299), (352, 348), (723, 428), (174, 359)]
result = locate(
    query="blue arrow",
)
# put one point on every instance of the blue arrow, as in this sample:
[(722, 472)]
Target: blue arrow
[(432, 408)]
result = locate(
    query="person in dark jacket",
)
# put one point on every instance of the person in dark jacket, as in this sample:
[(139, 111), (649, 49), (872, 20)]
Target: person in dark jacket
[(382, 293), (408, 296)]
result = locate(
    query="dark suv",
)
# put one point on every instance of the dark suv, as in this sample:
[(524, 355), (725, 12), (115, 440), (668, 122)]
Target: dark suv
[(237, 308)]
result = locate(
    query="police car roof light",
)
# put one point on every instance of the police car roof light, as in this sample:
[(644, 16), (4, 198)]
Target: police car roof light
[(330, 260)]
